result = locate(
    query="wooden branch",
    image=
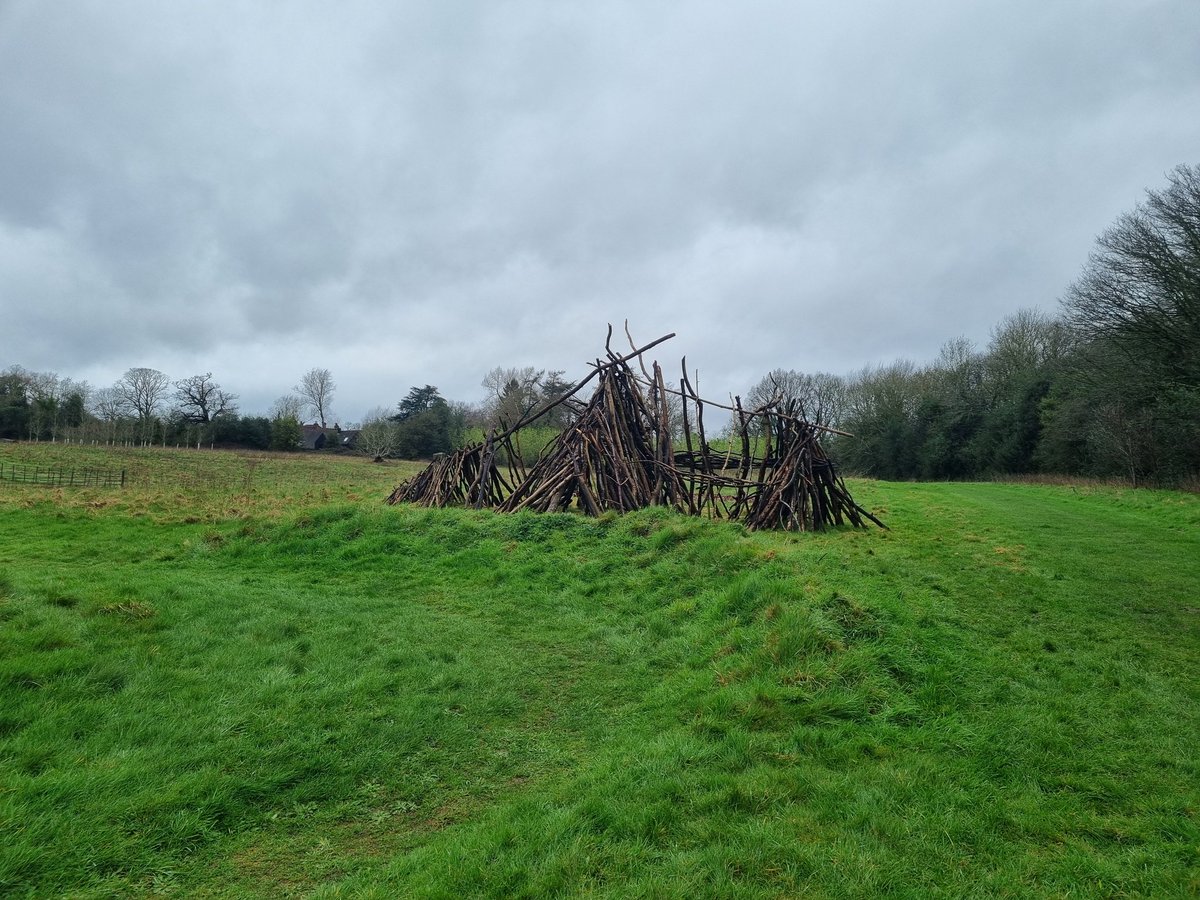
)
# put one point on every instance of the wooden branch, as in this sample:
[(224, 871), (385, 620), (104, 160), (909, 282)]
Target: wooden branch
[(618, 454)]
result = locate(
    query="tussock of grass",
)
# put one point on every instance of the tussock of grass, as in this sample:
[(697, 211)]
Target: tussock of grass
[(994, 698)]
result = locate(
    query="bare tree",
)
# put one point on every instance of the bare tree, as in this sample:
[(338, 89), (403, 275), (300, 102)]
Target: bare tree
[(289, 406), (1137, 306), (1026, 340), (201, 399), (881, 404), (882, 389), (316, 391), (1141, 288), (820, 398), (512, 392), (378, 435), (144, 391), (958, 374), (1121, 433), (109, 407)]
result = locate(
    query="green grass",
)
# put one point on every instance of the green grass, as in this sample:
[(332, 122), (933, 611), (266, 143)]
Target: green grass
[(530, 441), (998, 697), (170, 484)]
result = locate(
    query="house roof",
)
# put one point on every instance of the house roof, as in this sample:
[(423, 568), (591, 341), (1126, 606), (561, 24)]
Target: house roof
[(313, 437)]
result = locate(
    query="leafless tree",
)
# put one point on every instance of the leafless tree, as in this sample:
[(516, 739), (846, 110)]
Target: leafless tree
[(1140, 291), (887, 390), (818, 397), (1026, 341), (201, 399), (109, 406), (144, 391), (512, 392), (471, 415), (316, 391), (1121, 432), (958, 374), (378, 435), (1137, 309), (289, 406)]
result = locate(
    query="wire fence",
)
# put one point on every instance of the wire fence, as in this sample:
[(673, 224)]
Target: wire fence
[(62, 476), (195, 475)]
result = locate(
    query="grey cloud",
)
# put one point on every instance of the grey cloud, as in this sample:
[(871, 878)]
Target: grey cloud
[(423, 191)]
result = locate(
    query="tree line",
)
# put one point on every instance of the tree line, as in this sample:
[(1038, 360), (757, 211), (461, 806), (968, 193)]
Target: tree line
[(1110, 386), (425, 423), (145, 407)]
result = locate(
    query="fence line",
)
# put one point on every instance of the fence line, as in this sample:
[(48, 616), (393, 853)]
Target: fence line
[(61, 476)]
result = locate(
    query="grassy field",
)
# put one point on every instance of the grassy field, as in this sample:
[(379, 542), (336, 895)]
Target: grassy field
[(283, 687), (170, 484), (531, 440)]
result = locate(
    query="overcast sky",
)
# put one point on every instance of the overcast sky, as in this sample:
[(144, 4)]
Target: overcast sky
[(411, 193)]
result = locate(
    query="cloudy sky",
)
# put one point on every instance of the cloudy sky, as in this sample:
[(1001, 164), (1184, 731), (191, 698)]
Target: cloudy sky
[(416, 192)]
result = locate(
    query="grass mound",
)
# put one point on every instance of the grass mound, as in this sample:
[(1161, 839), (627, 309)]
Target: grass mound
[(382, 701)]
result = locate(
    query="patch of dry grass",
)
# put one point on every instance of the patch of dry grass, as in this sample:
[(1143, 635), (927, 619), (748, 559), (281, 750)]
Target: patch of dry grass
[(186, 485)]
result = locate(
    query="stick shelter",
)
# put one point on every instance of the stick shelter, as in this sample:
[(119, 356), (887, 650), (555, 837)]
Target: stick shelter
[(619, 454)]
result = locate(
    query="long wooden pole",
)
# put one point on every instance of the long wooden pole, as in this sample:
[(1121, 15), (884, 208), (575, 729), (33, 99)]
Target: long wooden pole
[(599, 367)]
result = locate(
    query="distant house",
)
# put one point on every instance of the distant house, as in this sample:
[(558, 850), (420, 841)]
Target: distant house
[(348, 437), (313, 437)]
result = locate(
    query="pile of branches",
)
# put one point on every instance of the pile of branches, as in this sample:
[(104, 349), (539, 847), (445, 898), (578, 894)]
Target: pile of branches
[(618, 454)]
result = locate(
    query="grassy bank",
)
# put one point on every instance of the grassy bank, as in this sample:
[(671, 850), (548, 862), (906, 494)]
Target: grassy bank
[(331, 697)]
